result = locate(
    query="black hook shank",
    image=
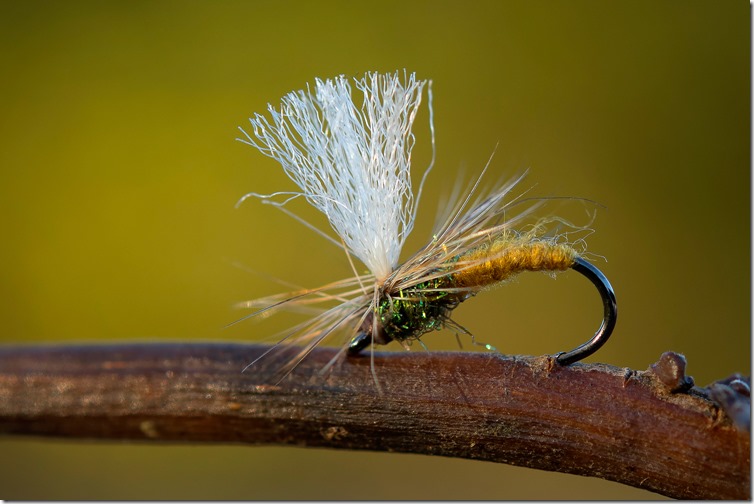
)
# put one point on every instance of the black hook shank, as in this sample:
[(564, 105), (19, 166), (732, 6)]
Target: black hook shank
[(608, 321)]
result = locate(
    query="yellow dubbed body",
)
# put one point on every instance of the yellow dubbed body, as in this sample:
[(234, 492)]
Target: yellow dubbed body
[(503, 258)]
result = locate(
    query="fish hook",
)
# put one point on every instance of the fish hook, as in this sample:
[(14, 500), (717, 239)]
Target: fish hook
[(608, 322)]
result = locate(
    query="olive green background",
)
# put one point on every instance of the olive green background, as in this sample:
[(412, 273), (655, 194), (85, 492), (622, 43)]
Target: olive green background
[(120, 173)]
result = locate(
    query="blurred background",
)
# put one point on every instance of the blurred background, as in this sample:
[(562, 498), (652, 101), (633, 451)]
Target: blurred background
[(119, 174)]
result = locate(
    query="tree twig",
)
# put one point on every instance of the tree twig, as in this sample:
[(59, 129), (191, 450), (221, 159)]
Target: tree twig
[(650, 429)]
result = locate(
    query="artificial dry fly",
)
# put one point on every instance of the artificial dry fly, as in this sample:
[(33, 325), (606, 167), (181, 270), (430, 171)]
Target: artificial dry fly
[(352, 163)]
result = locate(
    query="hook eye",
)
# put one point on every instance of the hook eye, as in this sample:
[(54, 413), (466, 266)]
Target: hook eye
[(608, 322)]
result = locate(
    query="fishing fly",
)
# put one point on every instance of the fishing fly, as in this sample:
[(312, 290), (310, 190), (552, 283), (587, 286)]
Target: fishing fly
[(352, 162)]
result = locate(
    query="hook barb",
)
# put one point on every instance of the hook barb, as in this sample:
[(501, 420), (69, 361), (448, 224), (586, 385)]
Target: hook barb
[(608, 322)]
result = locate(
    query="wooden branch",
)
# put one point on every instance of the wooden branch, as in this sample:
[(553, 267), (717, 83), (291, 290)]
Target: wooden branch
[(594, 420)]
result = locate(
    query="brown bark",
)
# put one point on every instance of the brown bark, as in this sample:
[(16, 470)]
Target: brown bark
[(648, 429)]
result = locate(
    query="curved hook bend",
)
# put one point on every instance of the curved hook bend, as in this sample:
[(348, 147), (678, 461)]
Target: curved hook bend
[(608, 322)]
